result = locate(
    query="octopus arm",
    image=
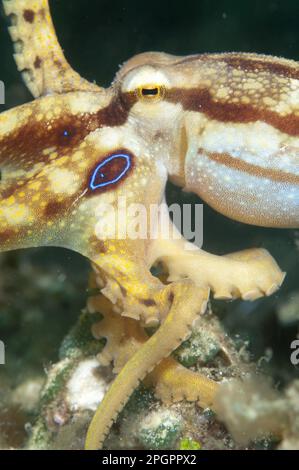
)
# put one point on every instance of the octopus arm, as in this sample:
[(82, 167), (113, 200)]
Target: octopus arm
[(175, 328), (38, 54)]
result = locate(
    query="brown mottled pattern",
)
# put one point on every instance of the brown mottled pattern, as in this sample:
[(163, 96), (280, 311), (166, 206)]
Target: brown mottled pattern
[(253, 65), (247, 62), (201, 100), (23, 148), (11, 238), (6, 235), (255, 170), (37, 135), (37, 62), (53, 208), (116, 113), (29, 16), (148, 302), (33, 137), (9, 190)]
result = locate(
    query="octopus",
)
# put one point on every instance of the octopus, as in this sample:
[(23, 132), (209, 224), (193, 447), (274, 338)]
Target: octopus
[(73, 160)]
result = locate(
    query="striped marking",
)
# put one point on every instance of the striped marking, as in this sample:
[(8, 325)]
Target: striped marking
[(255, 170), (248, 63), (201, 100)]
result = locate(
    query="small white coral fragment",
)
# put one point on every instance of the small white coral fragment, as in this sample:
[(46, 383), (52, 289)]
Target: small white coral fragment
[(86, 389)]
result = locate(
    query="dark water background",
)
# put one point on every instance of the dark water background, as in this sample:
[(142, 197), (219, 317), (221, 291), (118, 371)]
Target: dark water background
[(97, 36)]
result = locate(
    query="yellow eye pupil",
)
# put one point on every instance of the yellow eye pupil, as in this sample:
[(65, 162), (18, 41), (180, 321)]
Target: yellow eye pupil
[(150, 93)]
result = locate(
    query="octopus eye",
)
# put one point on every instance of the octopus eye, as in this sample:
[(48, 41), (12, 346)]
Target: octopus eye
[(150, 93), (111, 170)]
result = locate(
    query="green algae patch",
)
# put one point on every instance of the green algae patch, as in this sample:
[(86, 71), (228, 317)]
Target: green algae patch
[(199, 348), (39, 437), (160, 430), (56, 381), (79, 341), (189, 444), (141, 399)]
